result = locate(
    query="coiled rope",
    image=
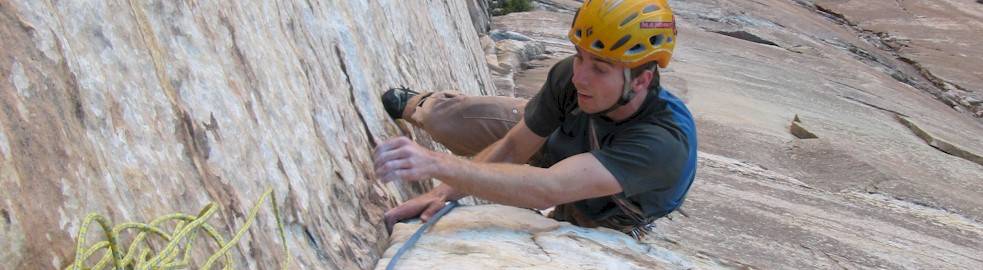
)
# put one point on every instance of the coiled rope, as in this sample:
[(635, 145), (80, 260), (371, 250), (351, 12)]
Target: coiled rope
[(138, 254)]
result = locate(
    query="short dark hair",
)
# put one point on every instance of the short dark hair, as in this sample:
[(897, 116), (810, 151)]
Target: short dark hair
[(635, 72)]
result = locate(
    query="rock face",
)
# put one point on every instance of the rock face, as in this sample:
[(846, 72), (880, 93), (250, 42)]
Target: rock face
[(502, 237), (746, 216), (935, 37), (510, 53), (849, 92), (136, 109), (480, 16)]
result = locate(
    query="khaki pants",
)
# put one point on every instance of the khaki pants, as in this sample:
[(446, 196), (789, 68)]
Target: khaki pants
[(464, 124)]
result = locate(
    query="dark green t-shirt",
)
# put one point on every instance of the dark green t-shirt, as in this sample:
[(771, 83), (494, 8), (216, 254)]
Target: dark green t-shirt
[(652, 154)]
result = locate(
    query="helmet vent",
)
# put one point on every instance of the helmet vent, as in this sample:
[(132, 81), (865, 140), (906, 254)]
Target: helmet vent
[(635, 49), (628, 19), (578, 33), (656, 40), (621, 42), (650, 8), (597, 45)]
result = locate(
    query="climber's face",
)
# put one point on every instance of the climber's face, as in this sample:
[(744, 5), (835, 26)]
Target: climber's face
[(598, 81)]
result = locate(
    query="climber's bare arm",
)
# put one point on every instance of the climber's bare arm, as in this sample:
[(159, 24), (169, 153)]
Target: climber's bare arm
[(517, 146), (578, 177)]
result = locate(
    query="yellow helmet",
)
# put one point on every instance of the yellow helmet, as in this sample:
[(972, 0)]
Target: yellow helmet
[(633, 32)]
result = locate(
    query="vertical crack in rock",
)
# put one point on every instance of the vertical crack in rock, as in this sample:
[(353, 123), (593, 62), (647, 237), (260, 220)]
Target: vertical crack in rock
[(351, 91)]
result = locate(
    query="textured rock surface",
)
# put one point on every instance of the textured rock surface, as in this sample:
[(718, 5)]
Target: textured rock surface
[(744, 92), (136, 109), (743, 215), (509, 56), (879, 196), (480, 15), (935, 36), (503, 237), (544, 27), (941, 144)]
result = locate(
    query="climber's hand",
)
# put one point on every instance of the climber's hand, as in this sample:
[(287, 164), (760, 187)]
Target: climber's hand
[(424, 206), (402, 159)]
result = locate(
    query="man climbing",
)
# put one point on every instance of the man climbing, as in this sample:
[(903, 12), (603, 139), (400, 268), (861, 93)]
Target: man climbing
[(608, 146)]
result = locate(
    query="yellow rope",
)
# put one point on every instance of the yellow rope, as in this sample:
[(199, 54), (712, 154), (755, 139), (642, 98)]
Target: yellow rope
[(186, 230)]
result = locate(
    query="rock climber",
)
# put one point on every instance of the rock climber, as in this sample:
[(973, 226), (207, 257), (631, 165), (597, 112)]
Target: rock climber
[(605, 144)]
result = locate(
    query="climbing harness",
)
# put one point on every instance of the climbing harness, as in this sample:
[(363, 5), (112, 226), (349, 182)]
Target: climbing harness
[(640, 224), (185, 231), (419, 233)]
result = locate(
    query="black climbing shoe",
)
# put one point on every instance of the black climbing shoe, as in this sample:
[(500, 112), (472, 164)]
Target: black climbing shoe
[(395, 99)]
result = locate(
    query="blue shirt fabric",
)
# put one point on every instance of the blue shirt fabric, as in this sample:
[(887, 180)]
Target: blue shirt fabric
[(652, 154)]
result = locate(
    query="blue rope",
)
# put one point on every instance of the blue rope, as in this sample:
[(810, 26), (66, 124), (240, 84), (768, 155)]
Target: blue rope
[(419, 232)]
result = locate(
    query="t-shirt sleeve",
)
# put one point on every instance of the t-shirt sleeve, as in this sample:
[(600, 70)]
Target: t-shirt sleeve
[(644, 160), (545, 111)]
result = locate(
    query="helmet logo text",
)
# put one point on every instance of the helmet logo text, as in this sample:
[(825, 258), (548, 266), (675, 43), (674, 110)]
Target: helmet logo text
[(653, 25)]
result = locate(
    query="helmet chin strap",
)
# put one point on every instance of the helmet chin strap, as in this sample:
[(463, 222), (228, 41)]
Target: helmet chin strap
[(626, 95)]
